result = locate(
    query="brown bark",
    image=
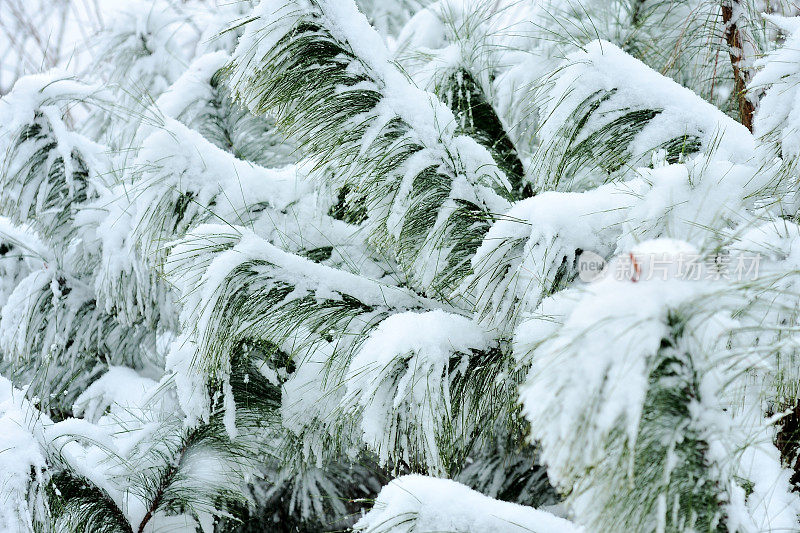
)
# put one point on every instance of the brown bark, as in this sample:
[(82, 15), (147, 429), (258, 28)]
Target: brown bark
[(733, 37)]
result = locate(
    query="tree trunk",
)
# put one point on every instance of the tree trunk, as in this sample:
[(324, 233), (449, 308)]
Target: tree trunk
[(733, 37)]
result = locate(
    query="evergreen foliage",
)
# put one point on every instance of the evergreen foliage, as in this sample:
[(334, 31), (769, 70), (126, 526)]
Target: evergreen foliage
[(324, 265)]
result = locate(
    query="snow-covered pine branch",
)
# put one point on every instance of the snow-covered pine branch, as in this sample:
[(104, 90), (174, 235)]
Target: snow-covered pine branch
[(294, 253), (144, 49), (450, 49), (646, 388), (21, 252), (200, 100), (389, 18), (54, 334), (606, 113), (422, 387), (330, 81), (23, 462), (48, 169), (139, 468), (55, 338), (181, 180), (236, 286), (531, 251), (775, 122)]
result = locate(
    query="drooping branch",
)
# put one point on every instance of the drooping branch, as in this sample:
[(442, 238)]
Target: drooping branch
[(166, 480), (430, 192)]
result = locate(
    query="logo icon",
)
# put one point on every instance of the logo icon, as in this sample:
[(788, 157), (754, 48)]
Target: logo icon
[(591, 266)]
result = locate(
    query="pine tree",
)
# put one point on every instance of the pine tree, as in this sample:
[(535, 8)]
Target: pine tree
[(325, 265)]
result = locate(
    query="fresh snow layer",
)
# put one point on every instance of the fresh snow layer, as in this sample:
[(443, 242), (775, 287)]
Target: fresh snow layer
[(415, 503), (399, 381), (590, 375), (22, 461)]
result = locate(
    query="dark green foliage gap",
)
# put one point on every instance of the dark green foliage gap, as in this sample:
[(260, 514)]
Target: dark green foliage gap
[(78, 506), (597, 139), (348, 209), (788, 442), (477, 118)]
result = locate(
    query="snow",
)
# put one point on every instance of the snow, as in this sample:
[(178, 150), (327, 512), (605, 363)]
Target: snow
[(136, 291), (520, 257), (589, 378), (308, 276), (14, 324), (19, 106), (399, 381), (615, 319), (449, 35), (473, 174), (700, 200), (42, 168), (603, 68), (22, 461), (306, 403), (419, 503), (125, 285), (199, 266), (777, 120), (49, 94), (424, 30), (190, 383), (157, 33), (193, 85), (431, 121), (120, 386), (697, 200), (178, 165), (26, 253), (144, 48)]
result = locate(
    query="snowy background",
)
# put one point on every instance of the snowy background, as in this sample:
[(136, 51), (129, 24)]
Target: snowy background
[(36, 35), (287, 272)]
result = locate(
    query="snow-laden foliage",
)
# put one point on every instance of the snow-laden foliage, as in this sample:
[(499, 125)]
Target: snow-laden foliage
[(403, 378), (21, 252), (390, 18), (330, 80), (777, 124), (453, 49), (181, 180), (239, 287), (48, 170), (607, 113), (143, 50), (23, 462), (532, 250), (405, 266), (646, 387), (199, 100)]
